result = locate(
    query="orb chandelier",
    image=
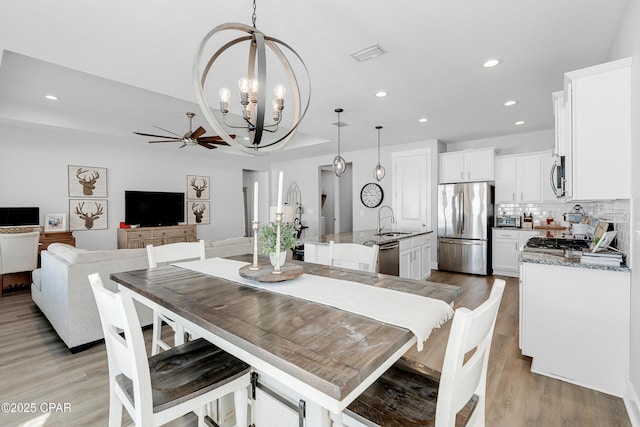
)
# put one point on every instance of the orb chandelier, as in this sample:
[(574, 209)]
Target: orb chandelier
[(378, 171), (339, 165), (251, 110)]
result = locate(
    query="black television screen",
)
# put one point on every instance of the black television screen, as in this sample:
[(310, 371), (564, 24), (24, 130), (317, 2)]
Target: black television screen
[(13, 217), (153, 208)]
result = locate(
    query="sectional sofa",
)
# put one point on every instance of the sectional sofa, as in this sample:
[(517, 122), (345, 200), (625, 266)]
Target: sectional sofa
[(62, 292)]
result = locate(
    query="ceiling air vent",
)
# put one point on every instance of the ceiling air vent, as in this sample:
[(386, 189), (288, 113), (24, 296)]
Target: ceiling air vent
[(367, 53)]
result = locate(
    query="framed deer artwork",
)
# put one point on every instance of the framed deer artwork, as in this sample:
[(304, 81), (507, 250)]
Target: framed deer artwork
[(198, 187), (198, 212), (87, 214), (87, 181)]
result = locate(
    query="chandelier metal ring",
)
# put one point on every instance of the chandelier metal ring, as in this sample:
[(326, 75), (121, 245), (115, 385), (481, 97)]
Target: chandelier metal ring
[(257, 59)]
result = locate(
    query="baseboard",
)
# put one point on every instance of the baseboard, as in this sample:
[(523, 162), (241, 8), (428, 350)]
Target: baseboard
[(632, 403)]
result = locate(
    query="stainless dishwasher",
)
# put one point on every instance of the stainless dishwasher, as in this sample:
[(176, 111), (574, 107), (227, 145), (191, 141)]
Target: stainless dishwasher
[(389, 258)]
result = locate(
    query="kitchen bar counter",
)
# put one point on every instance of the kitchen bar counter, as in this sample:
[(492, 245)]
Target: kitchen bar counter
[(561, 260), (368, 237)]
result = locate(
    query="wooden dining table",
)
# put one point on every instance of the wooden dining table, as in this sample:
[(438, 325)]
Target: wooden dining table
[(308, 350)]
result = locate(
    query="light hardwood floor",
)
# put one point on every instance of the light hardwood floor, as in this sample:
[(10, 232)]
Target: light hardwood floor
[(37, 368)]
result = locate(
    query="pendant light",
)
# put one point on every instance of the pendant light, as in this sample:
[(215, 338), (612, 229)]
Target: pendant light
[(378, 171), (265, 131), (339, 165)]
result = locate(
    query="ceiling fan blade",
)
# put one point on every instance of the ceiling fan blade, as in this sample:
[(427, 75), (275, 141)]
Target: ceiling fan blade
[(154, 136), (172, 133), (198, 133), (206, 145), (168, 140)]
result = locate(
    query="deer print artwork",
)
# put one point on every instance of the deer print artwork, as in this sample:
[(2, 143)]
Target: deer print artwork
[(87, 181), (88, 217), (86, 214), (198, 211), (198, 188)]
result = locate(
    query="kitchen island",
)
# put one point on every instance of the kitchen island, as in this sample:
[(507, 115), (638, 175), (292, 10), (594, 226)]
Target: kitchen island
[(314, 355), (403, 252), (574, 319)]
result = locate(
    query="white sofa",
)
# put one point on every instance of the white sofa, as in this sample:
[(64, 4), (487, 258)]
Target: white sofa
[(62, 292)]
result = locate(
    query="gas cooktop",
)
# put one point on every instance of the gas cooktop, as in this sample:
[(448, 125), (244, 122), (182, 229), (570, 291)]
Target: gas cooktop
[(557, 243)]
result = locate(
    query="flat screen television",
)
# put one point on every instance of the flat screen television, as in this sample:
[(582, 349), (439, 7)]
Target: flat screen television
[(14, 217), (153, 208)]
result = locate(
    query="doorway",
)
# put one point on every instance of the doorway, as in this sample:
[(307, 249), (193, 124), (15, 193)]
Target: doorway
[(336, 201), (249, 177)]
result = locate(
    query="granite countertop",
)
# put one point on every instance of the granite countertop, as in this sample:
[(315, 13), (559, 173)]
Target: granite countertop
[(367, 237), (561, 260)]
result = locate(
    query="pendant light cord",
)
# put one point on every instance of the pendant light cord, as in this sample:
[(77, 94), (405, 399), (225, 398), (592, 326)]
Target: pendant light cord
[(338, 133), (253, 15)]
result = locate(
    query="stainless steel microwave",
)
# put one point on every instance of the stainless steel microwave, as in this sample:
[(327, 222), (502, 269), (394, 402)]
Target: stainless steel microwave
[(508, 221), (558, 178)]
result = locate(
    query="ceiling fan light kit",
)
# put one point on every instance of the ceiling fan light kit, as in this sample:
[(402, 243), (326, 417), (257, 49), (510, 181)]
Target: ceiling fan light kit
[(339, 165), (252, 90), (192, 137)]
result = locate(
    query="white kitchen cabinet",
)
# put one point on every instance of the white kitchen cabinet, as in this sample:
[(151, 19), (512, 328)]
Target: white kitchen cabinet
[(562, 143), (505, 250), (518, 179), (574, 323), (466, 166), (415, 257), (426, 256), (598, 102), (411, 258)]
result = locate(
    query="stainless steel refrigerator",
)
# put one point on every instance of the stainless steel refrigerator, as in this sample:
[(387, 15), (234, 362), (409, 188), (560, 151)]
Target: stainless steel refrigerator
[(465, 216)]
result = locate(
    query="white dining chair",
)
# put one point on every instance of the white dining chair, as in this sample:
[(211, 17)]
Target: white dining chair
[(164, 254), (354, 256), (18, 253), (410, 393), (170, 384)]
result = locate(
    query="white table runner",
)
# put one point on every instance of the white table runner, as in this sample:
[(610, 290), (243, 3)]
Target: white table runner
[(416, 313)]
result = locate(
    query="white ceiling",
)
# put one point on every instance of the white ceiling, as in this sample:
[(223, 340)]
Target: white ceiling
[(120, 66)]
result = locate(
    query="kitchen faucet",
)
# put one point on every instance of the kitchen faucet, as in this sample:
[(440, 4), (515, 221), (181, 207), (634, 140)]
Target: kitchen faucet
[(388, 216)]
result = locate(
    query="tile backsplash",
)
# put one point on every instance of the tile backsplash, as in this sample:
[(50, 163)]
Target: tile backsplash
[(616, 212)]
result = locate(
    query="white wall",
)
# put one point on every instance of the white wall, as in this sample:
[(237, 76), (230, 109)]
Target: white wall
[(34, 173), (628, 44), (512, 144)]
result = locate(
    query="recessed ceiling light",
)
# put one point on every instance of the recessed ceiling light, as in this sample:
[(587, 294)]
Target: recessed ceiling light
[(519, 122), (423, 120), (381, 94), (510, 103), (51, 97), (491, 63), (246, 138)]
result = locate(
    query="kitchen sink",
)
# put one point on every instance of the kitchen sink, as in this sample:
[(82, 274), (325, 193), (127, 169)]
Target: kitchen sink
[(393, 233)]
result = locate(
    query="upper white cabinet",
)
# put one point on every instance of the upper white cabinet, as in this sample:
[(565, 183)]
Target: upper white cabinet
[(518, 179), (598, 102), (466, 166)]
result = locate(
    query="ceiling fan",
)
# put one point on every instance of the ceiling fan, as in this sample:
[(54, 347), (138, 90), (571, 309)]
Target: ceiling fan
[(191, 137)]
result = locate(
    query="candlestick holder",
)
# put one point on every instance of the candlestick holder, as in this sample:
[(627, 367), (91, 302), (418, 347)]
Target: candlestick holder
[(276, 268), (254, 226)]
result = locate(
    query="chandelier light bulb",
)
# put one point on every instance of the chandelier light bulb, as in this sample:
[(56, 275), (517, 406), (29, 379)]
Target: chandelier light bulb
[(280, 91), (244, 84), (224, 94)]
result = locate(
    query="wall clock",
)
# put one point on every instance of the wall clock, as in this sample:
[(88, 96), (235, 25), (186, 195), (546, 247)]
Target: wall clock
[(371, 195)]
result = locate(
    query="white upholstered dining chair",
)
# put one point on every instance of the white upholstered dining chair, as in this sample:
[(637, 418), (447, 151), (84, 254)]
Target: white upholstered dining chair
[(163, 254), (410, 393), (354, 256), (18, 253), (170, 384)]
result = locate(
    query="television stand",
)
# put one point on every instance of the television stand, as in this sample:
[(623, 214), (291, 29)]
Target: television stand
[(135, 238)]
